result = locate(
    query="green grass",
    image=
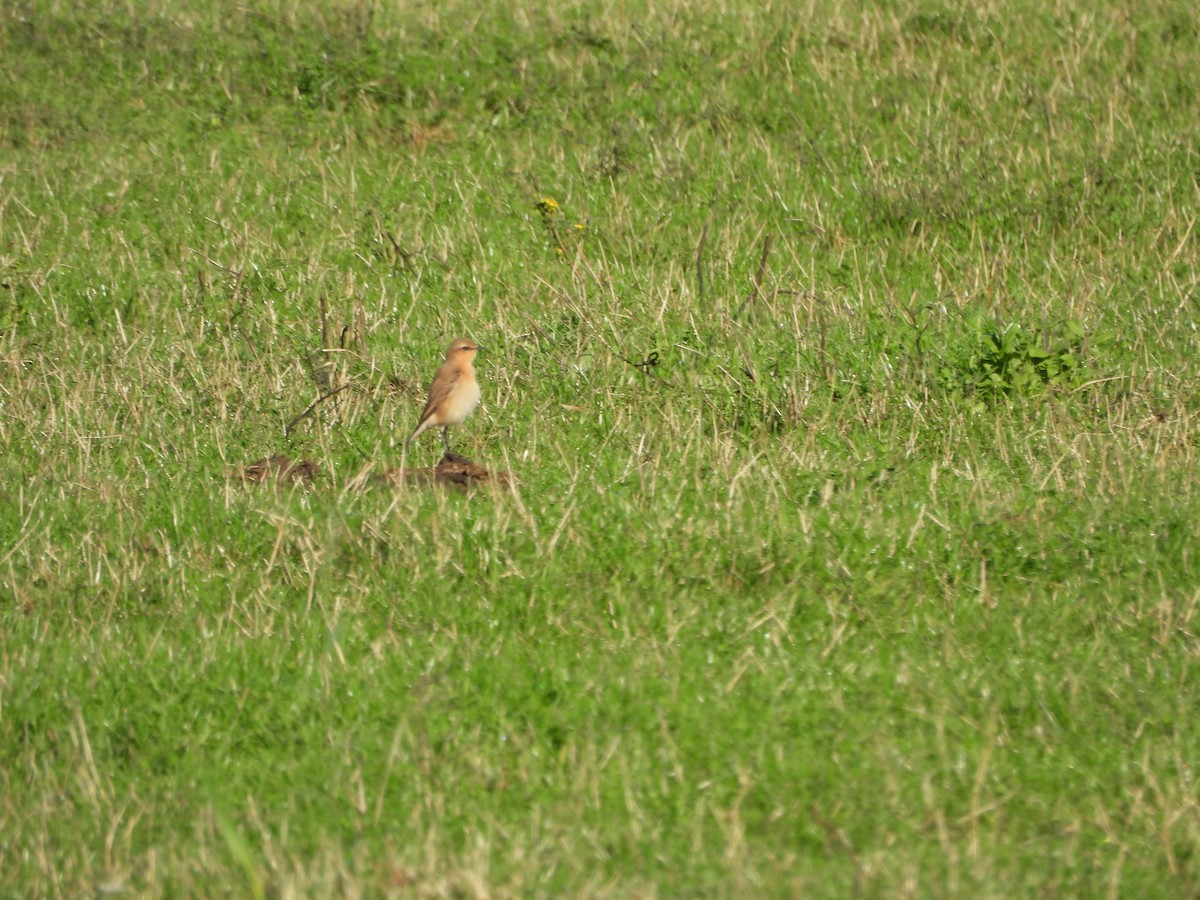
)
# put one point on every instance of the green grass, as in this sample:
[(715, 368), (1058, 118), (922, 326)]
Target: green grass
[(882, 581)]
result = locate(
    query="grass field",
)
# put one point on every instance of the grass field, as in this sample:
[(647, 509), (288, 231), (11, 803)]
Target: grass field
[(845, 358)]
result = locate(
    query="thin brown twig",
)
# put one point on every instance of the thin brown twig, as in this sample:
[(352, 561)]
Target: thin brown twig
[(237, 274), (645, 365), (287, 432), (756, 287), (234, 310)]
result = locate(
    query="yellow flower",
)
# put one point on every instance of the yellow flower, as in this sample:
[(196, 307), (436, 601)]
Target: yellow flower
[(548, 206)]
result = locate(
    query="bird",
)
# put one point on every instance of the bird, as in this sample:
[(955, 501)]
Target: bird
[(454, 393)]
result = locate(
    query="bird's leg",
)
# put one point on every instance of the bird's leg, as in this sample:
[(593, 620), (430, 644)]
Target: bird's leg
[(446, 440)]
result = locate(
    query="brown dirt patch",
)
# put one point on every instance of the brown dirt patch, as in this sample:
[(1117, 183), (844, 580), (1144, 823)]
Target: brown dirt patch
[(453, 470), (278, 468)]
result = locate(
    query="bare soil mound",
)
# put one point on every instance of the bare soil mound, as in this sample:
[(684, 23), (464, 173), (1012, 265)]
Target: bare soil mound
[(279, 469), (453, 470)]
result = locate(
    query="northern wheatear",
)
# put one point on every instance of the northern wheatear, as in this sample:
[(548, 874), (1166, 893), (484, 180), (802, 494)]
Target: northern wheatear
[(454, 393)]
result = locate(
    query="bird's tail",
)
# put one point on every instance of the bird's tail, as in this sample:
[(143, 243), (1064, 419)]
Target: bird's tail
[(412, 437)]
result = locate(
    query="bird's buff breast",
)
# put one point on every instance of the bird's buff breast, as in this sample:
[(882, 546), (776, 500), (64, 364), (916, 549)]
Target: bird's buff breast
[(462, 403)]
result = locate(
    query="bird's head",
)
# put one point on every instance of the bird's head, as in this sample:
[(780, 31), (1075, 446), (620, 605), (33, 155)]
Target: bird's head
[(462, 349)]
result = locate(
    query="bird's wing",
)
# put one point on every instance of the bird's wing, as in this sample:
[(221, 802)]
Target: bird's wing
[(442, 387)]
